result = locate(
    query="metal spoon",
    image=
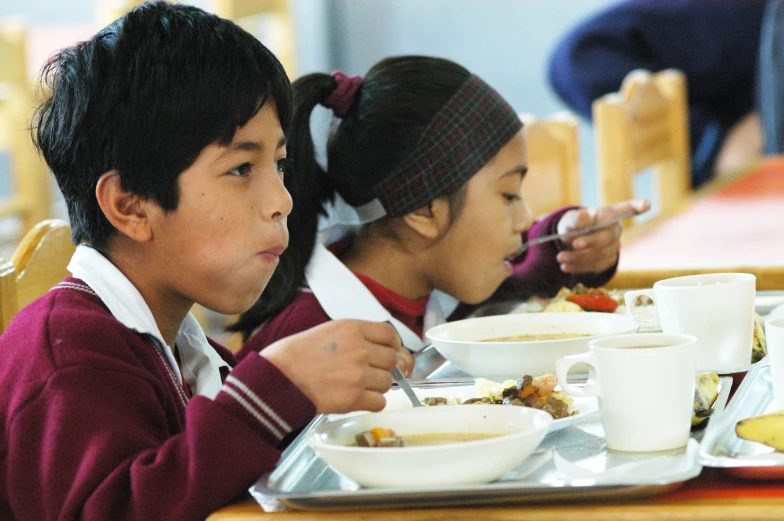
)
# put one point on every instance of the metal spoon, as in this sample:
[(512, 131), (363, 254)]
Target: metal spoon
[(575, 233), (402, 382)]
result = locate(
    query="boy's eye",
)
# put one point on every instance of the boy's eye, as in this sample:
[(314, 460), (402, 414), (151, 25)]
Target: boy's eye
[(241, 171)]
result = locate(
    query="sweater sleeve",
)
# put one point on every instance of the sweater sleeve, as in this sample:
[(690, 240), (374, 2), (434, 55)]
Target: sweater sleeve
[(538, 272), (109, 449), (304, 313)]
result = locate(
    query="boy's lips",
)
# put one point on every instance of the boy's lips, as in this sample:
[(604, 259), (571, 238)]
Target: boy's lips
[(277, 251)]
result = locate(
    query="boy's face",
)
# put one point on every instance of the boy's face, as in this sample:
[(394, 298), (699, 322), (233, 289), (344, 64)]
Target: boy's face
[(221, 245), (488, 229)]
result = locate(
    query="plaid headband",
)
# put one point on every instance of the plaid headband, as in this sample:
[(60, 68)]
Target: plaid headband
[(464, 136)]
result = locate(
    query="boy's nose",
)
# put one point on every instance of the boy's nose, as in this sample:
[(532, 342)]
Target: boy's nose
[(279, 201)]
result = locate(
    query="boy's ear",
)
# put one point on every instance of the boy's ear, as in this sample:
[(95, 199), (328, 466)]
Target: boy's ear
[(432, 220), (125, 210)]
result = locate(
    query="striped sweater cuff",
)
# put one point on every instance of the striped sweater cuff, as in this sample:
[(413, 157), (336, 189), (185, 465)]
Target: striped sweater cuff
[(264, 398)]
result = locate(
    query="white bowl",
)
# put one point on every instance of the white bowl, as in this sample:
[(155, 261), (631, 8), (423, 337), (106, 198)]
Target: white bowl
[(462, 341), (449, 464)]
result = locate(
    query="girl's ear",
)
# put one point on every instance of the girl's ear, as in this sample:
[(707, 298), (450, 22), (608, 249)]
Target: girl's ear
[(432, 220), (125, 210)]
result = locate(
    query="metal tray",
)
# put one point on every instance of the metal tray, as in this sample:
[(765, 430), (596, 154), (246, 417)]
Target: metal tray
[(572, 464), (722, 448)]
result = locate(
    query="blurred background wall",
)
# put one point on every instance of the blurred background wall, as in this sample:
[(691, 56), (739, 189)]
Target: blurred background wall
[(506, 42)]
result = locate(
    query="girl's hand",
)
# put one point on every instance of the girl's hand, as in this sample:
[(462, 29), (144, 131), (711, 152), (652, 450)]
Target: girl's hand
[(597, 251)]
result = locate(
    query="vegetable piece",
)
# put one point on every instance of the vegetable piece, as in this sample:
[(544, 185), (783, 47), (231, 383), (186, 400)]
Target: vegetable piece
[(594, 302), (380, 432)]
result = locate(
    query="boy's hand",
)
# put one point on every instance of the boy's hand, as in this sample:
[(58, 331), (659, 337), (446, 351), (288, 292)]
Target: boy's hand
[(597, 251), (405, 361), (341, 365)]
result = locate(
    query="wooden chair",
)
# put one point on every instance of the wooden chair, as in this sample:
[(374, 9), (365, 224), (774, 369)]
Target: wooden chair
[(643, 126), (271, 21), (107, 11), (38, 263), (29, 198), (553, 178), (30, 193)]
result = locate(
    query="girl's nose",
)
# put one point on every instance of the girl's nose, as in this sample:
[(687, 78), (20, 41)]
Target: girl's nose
[(524, 219)]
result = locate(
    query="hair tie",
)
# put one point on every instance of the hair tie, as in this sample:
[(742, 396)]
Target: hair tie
[(342, 97)]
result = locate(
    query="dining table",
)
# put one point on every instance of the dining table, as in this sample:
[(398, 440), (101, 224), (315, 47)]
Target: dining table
[(731, 224), (714, 495)]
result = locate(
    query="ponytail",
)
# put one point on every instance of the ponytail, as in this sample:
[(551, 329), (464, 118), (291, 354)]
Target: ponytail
[(310, 189)]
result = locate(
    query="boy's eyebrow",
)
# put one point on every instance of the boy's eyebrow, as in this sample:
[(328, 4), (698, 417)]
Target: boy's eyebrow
[(249, 146)]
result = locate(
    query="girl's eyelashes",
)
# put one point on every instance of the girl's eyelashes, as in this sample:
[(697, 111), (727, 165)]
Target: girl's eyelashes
[(512, 197), (242, 170), (283, 165)]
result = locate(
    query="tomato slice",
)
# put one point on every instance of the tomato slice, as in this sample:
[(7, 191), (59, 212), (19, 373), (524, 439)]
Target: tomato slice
[(594, 302)]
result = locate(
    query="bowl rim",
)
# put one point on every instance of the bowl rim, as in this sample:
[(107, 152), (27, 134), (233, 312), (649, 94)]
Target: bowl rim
[(537, 426), (633, 326)]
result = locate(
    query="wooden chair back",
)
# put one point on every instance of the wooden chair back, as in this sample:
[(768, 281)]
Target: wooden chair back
[(271, 21), (13, 49), (553, 178), (644, 126), (37, 264), (107, 11), (29, 197)]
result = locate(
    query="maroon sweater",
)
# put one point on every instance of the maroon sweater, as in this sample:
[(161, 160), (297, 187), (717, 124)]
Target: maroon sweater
[(95, 426), (537, 273)]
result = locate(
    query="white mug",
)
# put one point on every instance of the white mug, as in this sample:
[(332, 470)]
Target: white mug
[(717, 308), (774, 339), (645, 385)]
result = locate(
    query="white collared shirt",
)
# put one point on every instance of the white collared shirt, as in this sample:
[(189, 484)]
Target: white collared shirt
[(342, 295), (200, 362)]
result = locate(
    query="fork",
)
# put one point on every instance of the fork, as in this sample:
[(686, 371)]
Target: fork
[(574, 233)]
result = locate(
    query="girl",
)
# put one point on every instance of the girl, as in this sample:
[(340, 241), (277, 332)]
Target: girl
[(431, 160)]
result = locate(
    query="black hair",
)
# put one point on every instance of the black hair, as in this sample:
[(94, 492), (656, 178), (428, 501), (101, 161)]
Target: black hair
[(398, 98), (145, 96)]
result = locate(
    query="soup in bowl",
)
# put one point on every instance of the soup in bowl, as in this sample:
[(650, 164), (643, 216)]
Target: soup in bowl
[(441, 446), (519, 344)]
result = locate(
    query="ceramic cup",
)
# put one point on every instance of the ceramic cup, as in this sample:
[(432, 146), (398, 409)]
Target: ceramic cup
[(645, 385), (774, 338), (717, 308)]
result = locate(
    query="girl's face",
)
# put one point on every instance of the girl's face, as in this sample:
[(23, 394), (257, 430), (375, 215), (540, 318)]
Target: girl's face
[(487, 231)]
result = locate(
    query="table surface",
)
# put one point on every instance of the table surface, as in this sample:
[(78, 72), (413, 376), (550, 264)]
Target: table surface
[(712, 496), (716, 494), (730, 225), (743, 220)]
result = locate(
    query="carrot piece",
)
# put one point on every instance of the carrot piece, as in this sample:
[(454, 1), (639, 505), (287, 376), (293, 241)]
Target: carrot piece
[(380, 432)]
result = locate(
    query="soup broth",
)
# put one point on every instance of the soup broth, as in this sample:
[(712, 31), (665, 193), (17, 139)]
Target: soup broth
[(439, 438), (533, 338)]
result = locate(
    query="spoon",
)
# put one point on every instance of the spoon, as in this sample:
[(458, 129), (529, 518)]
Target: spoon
[(574, 233), (402, 382)]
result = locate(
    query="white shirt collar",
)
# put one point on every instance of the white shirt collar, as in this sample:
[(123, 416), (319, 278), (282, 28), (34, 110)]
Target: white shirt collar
[(200, 362)]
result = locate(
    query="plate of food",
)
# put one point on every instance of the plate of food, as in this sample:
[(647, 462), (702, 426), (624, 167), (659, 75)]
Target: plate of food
[(539, 392)]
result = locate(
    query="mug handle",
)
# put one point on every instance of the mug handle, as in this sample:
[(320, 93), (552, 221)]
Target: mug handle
[(562, 366), (630, 297)]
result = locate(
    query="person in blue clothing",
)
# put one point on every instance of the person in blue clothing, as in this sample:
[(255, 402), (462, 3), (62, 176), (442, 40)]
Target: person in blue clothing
[(714, 42)]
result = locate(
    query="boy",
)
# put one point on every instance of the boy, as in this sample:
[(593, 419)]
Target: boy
[(166, 133)]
